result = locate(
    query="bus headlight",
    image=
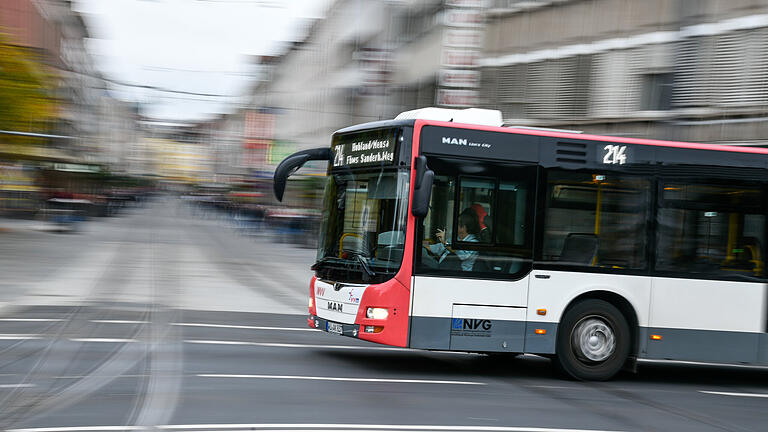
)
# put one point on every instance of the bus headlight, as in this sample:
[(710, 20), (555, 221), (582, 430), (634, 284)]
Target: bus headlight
[(376, 313), (311, 302)]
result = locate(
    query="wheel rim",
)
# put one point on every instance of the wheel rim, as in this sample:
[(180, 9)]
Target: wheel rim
[(593, 339)]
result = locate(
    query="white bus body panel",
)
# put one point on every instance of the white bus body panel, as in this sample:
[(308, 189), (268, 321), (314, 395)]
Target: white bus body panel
[(556, 292), (468, 314), (435, 296), (696, 304), (707, 320)]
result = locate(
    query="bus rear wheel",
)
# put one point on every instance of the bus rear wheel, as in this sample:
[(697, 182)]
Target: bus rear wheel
[(592, 341)]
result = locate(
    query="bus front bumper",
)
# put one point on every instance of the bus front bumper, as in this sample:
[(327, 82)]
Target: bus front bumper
[(351, 330)]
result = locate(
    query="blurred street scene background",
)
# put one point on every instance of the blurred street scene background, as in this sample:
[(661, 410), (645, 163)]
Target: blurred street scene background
[(147, 273), (81, 139)]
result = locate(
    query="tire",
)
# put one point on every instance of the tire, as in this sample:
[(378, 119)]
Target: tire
[(593, 341)]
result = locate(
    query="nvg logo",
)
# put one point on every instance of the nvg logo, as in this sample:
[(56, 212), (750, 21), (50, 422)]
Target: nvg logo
[(471, 324)]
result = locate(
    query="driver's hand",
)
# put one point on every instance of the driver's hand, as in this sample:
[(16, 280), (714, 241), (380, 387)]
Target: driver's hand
[(440, 235)]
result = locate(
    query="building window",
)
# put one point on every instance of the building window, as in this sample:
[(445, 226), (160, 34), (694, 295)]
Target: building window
[(657, 92)]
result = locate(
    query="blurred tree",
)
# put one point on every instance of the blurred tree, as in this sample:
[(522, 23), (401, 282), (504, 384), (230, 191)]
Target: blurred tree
[(25, 101)]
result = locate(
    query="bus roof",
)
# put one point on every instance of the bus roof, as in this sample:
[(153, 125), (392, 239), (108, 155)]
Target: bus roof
[(606, 138), (554, 134)]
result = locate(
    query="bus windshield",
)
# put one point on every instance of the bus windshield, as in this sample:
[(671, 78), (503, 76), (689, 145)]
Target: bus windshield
[(363, 231)]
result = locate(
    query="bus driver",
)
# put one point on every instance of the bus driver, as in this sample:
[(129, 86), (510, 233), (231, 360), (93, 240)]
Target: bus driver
[(467, 230)]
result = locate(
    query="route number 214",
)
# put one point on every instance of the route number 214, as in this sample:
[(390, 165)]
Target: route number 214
[(615, 154)]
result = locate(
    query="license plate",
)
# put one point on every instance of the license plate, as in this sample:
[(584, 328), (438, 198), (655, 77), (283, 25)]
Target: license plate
[(333, 327)]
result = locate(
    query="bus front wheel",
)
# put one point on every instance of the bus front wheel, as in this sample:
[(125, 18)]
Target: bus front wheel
[(592, 341)]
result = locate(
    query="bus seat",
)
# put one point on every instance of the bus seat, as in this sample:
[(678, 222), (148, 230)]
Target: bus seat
[(579, 248), (755, 255)]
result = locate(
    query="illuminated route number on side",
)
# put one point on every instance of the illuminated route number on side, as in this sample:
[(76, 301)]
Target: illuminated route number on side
[(615, 154)]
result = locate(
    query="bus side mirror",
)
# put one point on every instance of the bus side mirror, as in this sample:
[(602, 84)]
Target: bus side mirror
[(292, 163), (422, 189)]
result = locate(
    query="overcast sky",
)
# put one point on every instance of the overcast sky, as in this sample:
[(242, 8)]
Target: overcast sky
[(200, 46)]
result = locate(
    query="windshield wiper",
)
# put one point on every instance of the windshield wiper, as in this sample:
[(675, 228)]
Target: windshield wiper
[(349, 265), (364, 265)]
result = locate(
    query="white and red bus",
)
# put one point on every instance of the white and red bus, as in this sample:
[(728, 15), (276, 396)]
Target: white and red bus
[(443, 230)]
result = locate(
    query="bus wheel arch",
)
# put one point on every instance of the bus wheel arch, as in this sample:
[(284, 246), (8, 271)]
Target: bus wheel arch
[(597, 336)]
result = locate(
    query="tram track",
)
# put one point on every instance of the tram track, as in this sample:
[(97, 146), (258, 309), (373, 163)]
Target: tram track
[(58, 358)]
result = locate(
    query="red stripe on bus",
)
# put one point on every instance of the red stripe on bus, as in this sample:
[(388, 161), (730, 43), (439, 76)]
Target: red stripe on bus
[(606, 138)]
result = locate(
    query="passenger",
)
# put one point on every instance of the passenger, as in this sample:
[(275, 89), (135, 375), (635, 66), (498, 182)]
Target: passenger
[(466, 231)]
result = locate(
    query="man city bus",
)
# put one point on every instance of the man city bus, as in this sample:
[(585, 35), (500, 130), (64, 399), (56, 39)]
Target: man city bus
[(444, 230)]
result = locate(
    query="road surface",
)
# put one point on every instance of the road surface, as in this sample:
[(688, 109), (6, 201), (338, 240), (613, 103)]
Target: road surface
[(167, 320)]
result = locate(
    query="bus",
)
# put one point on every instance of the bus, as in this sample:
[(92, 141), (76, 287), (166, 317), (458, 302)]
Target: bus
[(444, 230)]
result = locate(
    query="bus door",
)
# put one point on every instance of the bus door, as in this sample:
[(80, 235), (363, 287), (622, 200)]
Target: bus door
[(473, 257)]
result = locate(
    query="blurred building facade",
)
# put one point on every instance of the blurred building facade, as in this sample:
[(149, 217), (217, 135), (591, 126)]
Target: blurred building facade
[(90, 125), (319, 85), (679, 70)]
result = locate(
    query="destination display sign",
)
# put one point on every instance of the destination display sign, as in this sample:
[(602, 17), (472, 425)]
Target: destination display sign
[(365, 149)]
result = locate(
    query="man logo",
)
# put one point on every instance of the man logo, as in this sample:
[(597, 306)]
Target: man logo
[(454, 141), (333, 306)]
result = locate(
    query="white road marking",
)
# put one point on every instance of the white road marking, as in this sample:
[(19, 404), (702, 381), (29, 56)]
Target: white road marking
[(107, 340), (291, 427), (32, 319), (320, 378), (81, 428), (4, 386), (362, 428), (118, 322), (243, 327), (287, 345), (100, 376), (755, 395), (7, 336)]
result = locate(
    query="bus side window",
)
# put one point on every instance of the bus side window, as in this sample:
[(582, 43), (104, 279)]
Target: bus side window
[(714, 229), (596, 219), (476, 198), (489, 236)]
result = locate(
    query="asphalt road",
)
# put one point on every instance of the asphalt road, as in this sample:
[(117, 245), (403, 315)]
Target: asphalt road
[(161, 319)]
